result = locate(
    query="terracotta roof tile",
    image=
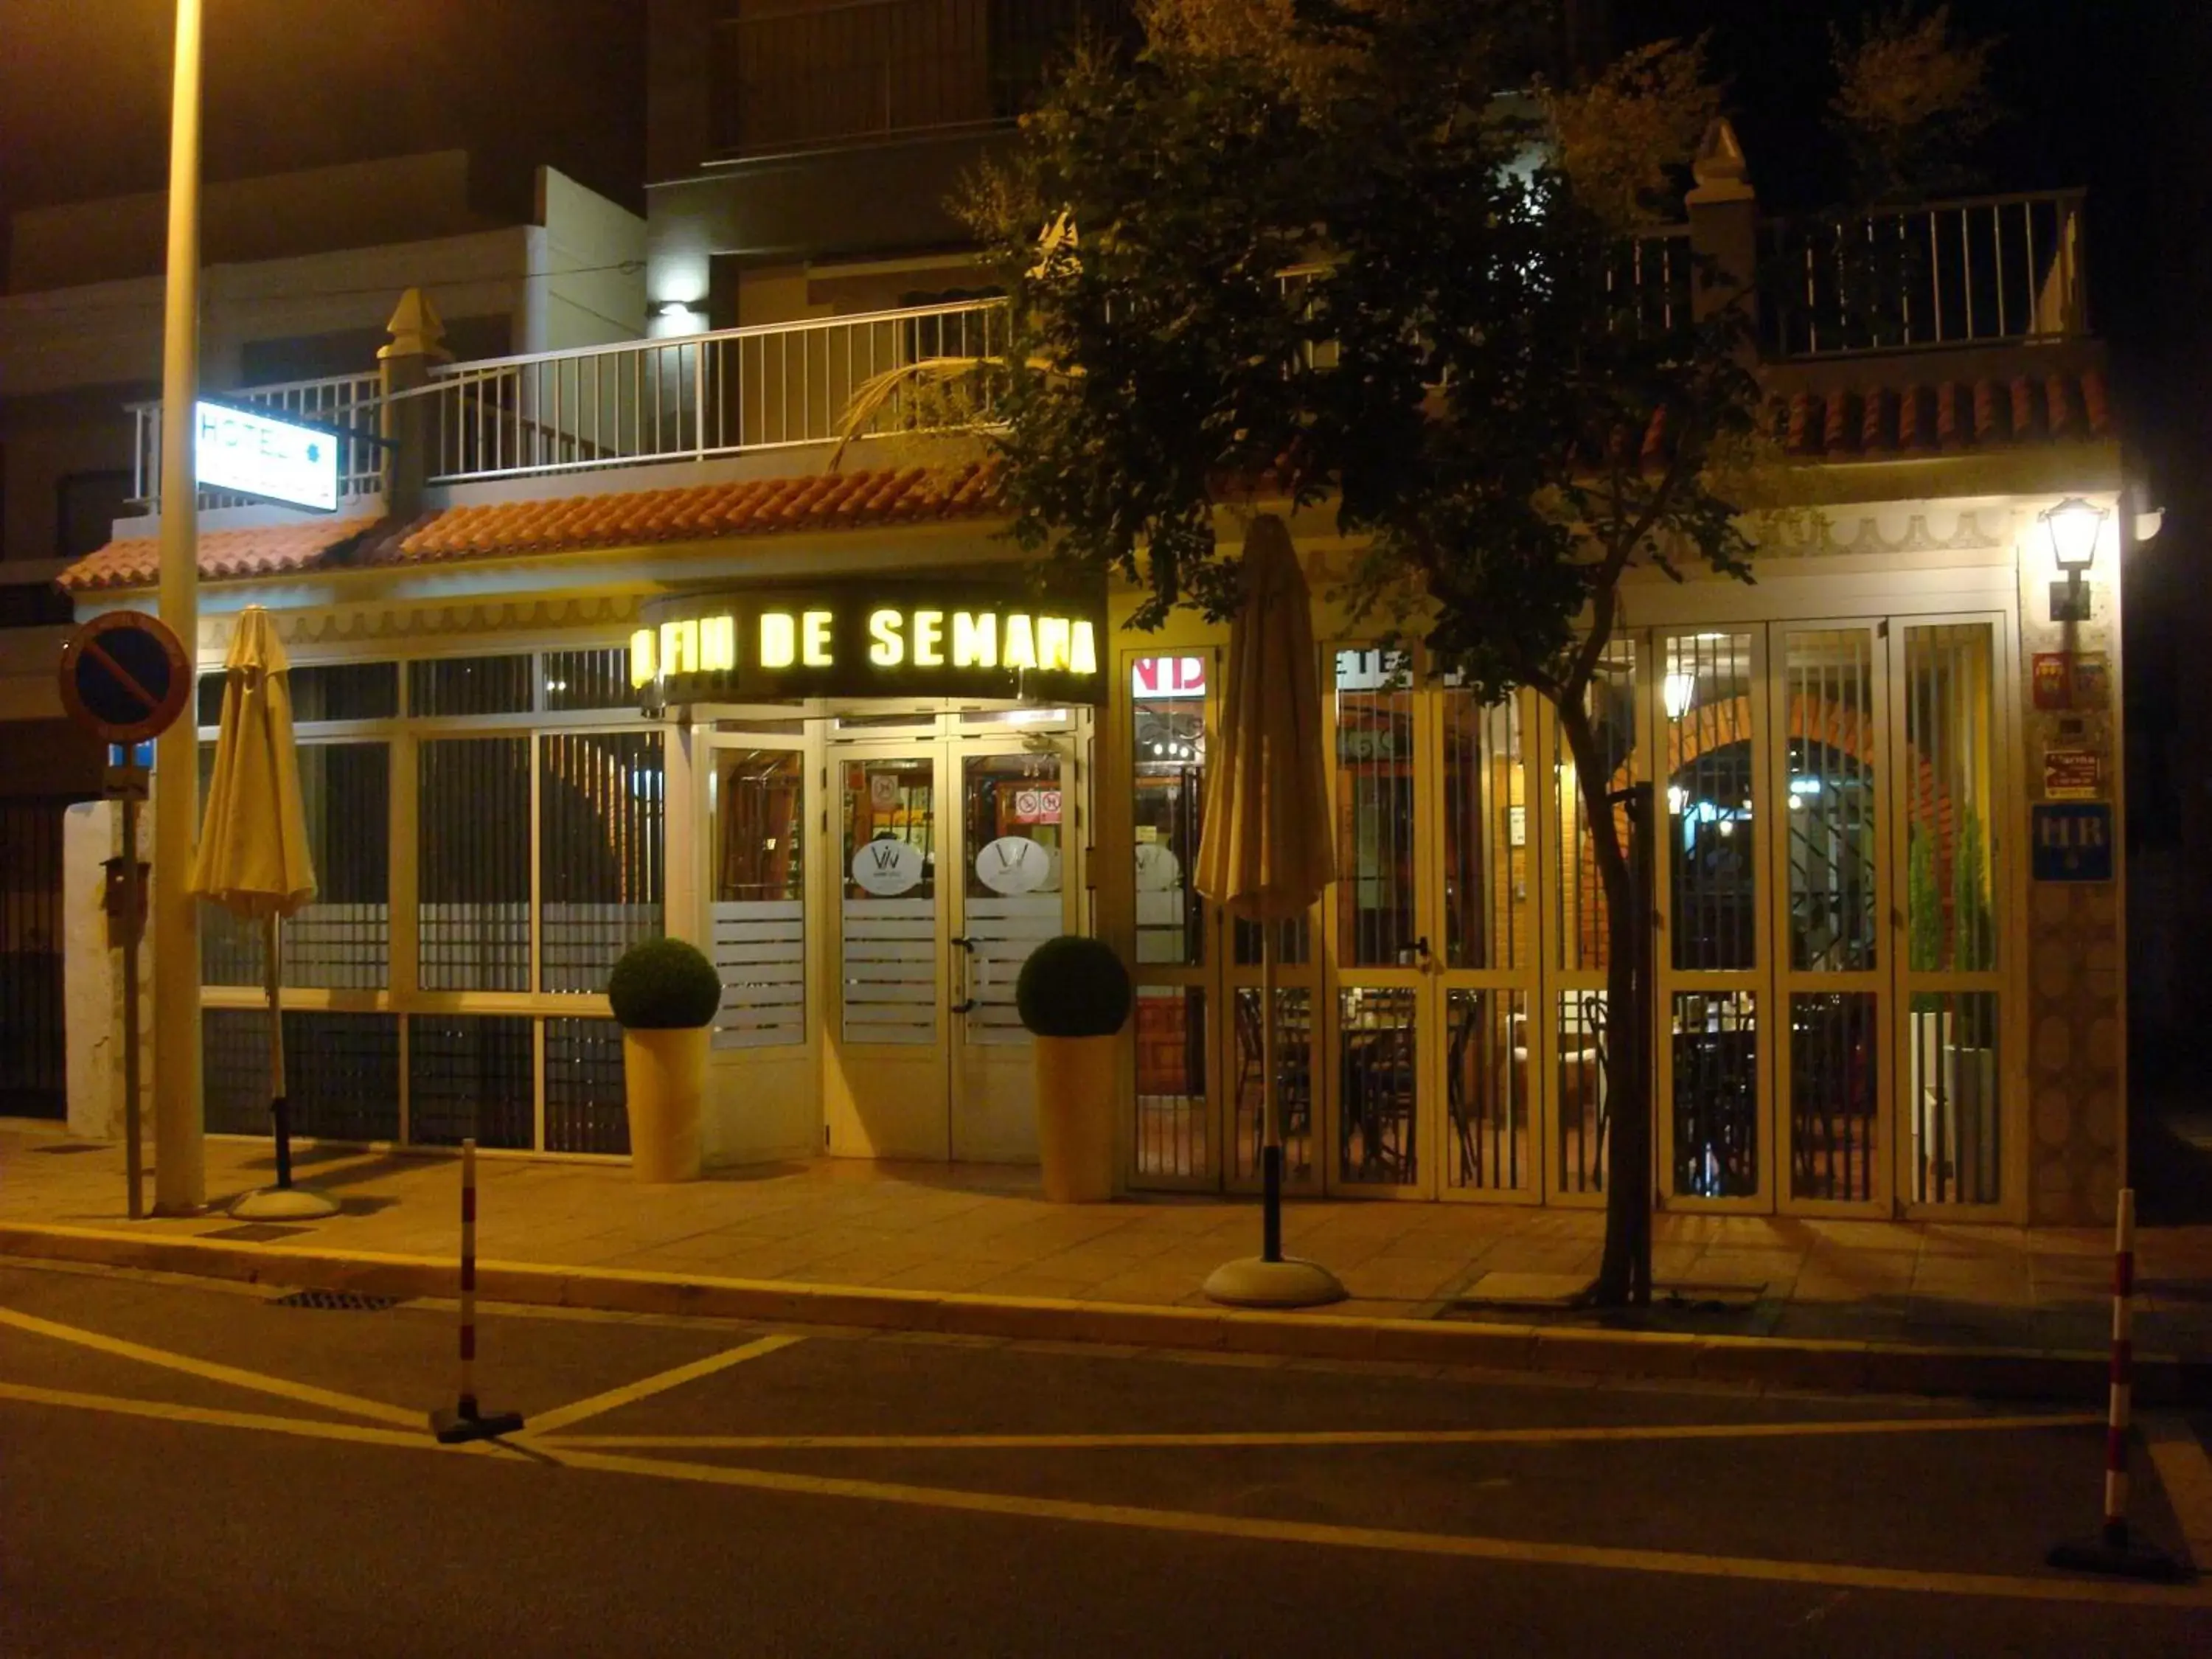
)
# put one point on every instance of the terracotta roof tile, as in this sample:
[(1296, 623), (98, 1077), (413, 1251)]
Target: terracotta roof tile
[(225, 555), (1887, 420), (842, 500)]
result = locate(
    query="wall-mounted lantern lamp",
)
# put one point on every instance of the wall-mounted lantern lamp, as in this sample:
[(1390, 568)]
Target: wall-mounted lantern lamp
[(2075, 527)]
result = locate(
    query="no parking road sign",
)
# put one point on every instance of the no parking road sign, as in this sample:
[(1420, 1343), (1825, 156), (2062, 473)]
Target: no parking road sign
[(125, 676)]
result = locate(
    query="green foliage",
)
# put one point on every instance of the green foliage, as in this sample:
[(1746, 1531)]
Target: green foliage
[(1923, 907), (1912, 103), (1625, 138), (1450, 368), (1074, 987), (664, 985), (1969, 926), (1973, 928)]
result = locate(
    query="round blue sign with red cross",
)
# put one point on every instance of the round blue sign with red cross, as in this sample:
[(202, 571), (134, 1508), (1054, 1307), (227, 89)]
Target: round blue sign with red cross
[(125, 676)]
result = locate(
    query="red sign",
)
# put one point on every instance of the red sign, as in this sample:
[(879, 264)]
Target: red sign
[(1162, 677), (125, 676), (2053, 680)]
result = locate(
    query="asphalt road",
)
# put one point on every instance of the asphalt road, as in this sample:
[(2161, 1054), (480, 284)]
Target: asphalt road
[(192, 1469)]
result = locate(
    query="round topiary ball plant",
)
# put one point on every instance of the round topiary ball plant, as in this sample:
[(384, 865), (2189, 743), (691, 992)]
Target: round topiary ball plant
[(1072, 987), (664, 985)]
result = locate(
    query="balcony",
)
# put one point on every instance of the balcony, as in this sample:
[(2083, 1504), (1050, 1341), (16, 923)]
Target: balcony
[(826, 75), (1998, 272)]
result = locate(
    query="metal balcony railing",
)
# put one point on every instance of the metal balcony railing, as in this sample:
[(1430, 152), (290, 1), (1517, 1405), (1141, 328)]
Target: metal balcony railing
[(703, 395), (345, 401), (1992, 270), (827, 75), (1995, 270)]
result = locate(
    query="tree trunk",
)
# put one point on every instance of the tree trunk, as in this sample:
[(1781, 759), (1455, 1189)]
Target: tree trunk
[(1624, 1276)]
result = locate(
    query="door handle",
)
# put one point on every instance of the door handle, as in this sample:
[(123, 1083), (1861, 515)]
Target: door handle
[(1416, 953), (966, 1003)]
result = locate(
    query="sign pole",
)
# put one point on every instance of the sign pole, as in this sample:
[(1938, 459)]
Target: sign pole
[(179, 1152)]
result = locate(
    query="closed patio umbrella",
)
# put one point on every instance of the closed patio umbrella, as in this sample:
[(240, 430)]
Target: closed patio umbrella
[(1267, 849), (253, 858)]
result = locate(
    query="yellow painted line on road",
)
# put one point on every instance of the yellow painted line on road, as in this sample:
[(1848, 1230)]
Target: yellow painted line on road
[(307, 1394), (164, 1411), (1533, 1437), (660, 1383), (1460, 1545), (1188, 1522)]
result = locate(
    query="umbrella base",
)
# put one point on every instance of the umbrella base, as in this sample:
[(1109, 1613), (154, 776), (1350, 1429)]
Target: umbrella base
[(285, 1204), (1254, 1283)]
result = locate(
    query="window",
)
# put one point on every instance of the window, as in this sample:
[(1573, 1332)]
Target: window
[(85, 506), (533, 855)]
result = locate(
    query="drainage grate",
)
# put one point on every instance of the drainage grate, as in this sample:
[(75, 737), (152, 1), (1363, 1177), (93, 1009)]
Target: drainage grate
[(256, 1232), (336, 1301)]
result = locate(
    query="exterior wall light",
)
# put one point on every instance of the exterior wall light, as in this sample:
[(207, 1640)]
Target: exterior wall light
[(2074, 528), (1677, 692)]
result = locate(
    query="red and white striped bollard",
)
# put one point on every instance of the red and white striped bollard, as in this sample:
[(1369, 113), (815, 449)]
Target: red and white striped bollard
[(465, 1421)]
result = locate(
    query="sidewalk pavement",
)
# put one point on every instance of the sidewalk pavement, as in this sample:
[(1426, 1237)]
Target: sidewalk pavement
[(850, 1241)]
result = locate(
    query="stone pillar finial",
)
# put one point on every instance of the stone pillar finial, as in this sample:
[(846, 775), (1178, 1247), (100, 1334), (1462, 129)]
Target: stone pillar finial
[(418, 340), (1724, 212), (417, 330), (1719, 166)]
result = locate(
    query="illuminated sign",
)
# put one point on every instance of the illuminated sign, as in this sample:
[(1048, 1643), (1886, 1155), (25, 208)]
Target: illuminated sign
[(1158, 679), (866, 641), (254, 453)]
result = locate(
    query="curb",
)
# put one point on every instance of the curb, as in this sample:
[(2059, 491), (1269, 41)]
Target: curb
[(1828, 1367)]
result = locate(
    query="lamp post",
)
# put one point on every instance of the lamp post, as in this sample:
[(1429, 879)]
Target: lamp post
[(179, 1160)]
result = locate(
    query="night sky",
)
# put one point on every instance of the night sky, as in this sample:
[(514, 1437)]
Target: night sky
[(2106, 93), (84, 88)]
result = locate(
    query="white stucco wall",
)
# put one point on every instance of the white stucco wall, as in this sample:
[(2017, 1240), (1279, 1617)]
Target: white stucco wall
[(92, 985)]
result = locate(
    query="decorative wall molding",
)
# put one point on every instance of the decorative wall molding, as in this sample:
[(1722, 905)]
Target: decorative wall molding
[(1901, 527), (387, 623)]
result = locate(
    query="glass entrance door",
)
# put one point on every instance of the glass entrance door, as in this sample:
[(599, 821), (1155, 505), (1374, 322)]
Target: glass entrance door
[(953, 866), (1832, 893)]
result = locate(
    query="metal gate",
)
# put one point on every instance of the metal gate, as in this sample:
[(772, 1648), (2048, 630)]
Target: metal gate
[(33, 1068)]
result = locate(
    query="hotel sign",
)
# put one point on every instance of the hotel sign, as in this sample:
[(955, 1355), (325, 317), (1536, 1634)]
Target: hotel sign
[(252, 453), (957, 639)]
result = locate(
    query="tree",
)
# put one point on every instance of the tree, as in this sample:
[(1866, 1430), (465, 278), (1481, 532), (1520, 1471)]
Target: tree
[(1334, 270), (1912, 101)]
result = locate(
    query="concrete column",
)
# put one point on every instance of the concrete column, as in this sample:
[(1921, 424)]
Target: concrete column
[(418, 341), (1723, 227), (684, 759)]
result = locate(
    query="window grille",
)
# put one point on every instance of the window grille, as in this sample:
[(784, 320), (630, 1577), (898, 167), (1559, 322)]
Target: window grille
[(472, 861), (600, 808), (585, 1102), (471, 1075)]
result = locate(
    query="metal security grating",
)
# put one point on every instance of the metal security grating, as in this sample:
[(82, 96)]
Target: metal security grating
[(600, 873), (587, 679), (470, 685), (585, 1104), (471, 1075), (341, 1072), (33, 1082), (336, 1300), (1172, 1114), (472, 841)]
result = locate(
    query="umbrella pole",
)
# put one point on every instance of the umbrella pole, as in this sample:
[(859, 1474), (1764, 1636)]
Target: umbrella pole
[(276, 1106), (1271, 1147)]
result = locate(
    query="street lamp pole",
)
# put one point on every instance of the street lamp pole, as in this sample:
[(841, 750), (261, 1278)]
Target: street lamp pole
[(179, 1160)]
